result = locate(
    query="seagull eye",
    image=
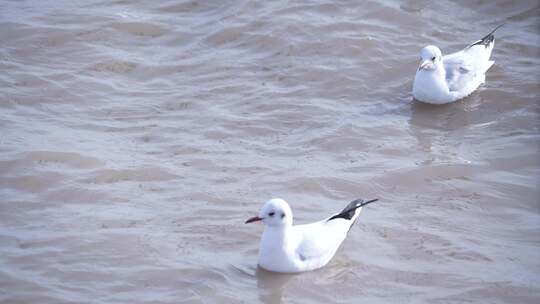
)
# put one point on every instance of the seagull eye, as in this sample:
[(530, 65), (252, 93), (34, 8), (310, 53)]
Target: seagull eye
[(271, 213), (433, 58)]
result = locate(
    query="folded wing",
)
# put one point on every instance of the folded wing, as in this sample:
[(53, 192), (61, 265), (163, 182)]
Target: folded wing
[(466, 69)]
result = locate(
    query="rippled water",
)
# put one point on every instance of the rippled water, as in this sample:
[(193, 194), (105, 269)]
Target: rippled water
[(137, 136)]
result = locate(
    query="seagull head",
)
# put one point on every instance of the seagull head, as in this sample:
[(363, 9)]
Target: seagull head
[(430, 58), (275, 213)]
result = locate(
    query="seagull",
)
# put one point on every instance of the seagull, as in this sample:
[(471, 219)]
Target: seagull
[(444, 79), (292, 249)]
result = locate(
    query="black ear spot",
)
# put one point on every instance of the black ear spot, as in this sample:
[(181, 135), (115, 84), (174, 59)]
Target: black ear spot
[(433, 58), (282, 215)]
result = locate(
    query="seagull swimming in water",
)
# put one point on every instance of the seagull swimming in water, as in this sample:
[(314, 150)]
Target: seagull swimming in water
[(288, 248), (443, 79)]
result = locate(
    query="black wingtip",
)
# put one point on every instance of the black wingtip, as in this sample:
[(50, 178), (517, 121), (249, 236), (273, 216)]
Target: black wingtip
[(488, 39), (369, 202), (500, 25), (350, 210)]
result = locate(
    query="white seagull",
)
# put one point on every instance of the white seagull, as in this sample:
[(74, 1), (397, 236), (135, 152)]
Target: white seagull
[(441, 80), (288, 248)]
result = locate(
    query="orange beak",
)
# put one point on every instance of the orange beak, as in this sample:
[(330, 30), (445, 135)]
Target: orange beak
[(253, 219)]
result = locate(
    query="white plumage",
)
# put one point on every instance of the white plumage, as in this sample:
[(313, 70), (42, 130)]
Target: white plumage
[(288, 248), (441, 80)]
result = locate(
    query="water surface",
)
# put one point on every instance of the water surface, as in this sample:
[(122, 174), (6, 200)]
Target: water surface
[(137, 136)]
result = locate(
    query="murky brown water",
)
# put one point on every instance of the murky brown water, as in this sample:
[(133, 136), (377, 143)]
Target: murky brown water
[(136, 137)]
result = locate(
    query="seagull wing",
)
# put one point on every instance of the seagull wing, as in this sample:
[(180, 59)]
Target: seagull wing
[(319, 241), (466, 69), (460, 70)]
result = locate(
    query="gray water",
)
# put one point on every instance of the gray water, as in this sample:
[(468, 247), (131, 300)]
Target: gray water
[(138, 136)]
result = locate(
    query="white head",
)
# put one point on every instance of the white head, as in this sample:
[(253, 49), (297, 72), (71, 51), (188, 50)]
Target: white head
[(430, 58), (275, 213)]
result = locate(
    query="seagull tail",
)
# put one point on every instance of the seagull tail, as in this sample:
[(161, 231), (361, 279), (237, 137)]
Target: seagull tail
[(350, 211), (488, 39)]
